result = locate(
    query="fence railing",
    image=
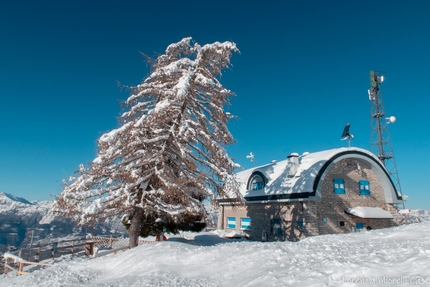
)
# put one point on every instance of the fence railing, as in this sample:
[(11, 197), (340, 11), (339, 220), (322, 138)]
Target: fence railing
[(16, 260), (114, 243), (17, 264)]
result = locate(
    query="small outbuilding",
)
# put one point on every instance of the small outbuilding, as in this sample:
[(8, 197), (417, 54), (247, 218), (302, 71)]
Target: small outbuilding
[(333, 191)]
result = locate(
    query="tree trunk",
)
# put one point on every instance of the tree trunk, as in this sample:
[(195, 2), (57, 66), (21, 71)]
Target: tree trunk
[(134, 229)]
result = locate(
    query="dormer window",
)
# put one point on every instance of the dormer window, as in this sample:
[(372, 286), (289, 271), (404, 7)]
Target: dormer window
[(256, 182)]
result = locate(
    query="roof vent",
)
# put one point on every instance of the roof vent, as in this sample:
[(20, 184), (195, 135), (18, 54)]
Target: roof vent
[(274, 161), (294, 154), (293, 164)]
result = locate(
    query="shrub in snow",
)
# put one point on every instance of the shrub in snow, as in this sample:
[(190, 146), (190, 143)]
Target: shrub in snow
[(168, 154)]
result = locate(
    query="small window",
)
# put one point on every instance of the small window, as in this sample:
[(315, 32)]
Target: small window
[(257, 185), (341, 223), (245, 223), (364, 187), (324, 220), (231, 222), (359, 226), (276, 226), (256, 182), (339, 186), (300, 223)]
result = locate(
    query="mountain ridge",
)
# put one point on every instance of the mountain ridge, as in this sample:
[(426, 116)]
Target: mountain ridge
[(4, 196), (24, 223)]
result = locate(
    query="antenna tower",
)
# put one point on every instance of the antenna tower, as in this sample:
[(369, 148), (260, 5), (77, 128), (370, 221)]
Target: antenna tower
[(380, 140)]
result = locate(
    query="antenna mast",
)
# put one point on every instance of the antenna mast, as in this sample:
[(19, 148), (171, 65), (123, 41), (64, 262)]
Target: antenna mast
[(380, 140)]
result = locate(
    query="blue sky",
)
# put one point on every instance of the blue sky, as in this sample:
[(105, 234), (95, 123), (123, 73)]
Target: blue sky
[(301, 75)]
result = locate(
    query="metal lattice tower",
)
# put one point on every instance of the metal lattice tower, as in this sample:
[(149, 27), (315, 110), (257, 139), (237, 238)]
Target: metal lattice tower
[(380, 140)]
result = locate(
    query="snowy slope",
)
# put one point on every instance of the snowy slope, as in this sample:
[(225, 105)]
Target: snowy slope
[(384, 257)]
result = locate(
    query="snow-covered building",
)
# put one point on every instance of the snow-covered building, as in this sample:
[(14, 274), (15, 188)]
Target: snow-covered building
[(333, 191)]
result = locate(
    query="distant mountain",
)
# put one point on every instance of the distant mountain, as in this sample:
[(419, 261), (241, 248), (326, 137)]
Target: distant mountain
[(23, 223), (11, 199)]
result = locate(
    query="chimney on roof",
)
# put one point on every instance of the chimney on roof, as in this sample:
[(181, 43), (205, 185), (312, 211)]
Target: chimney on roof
[(293, 163)]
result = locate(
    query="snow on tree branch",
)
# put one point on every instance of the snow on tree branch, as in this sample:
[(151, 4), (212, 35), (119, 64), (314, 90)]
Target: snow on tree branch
[(168, 154)]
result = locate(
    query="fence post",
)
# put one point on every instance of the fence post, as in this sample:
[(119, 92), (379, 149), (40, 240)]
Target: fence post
[(5, 267), (38, 254), (73, 246), (89, 248), (54, 245), (20, 268), (19, 253), (110, 242)]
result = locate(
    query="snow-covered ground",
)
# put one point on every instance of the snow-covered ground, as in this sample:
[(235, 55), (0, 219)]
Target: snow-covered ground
[(398, 256)]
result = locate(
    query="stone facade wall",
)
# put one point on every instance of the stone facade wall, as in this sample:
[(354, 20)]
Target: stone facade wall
[(324, 217), (332, 206), (265, 216)]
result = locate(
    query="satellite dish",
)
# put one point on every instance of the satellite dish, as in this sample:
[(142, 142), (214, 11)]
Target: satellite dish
[(405, 197), (390, 120)]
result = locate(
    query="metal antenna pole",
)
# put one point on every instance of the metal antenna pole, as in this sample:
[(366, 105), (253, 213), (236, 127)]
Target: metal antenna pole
[(380, 140), (251, 156)]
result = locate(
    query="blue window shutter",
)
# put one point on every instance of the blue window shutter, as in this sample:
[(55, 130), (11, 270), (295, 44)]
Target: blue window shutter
[(231, 222), (246, 223), (339, 185), (364, 187)]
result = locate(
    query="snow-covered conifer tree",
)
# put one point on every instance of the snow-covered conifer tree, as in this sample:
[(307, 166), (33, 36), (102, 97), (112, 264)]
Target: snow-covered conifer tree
[(168, 154)]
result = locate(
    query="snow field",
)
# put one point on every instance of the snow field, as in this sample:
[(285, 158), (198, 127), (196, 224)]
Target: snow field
[(204, 259)]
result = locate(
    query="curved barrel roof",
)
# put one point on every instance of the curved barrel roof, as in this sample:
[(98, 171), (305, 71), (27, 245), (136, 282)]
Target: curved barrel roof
[(283, 184)]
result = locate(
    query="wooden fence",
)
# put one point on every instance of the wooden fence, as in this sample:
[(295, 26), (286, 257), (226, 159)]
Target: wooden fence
[(114, 243), (16, 260), (17, 264)]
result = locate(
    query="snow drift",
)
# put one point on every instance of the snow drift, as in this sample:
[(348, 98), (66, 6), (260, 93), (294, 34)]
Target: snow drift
[(384, 257)]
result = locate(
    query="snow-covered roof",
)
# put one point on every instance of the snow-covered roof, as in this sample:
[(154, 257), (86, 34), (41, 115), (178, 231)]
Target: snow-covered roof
[(288, 182), (369, 212)]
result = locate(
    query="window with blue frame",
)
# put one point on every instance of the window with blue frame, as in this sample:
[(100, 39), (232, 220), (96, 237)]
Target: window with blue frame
[(257, 182), (257, 185), (276, 226), (231, 222), (245, 223), (359, 226), (364, 187), (339, 185)]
